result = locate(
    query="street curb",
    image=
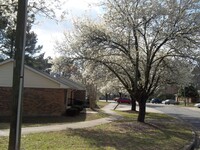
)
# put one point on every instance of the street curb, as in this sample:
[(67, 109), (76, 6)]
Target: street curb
[(192, 143)]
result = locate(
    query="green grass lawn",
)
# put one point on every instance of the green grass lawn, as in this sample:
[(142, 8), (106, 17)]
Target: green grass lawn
[(187, 105), (160, 132), (101, 104)]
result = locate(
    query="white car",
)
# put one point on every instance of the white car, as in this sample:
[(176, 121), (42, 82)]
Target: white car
[(170, 101), (197, 105)]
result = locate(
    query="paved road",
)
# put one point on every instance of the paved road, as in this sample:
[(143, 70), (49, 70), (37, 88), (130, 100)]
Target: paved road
[(188, 115)]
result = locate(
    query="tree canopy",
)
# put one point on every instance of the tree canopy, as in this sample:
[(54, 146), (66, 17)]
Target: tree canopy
[(135, 40), (189, 91), (33, 55)]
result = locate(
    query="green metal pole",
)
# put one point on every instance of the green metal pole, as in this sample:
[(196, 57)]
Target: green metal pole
[(18, 77)]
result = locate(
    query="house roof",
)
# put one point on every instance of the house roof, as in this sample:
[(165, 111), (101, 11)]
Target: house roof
[(71, 83), (6, 61), (62, 82)]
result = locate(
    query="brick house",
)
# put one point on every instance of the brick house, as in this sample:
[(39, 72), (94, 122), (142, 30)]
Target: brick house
[(44, 95)]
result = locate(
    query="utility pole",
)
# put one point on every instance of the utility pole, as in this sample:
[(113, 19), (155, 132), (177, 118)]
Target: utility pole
[(18, 77)]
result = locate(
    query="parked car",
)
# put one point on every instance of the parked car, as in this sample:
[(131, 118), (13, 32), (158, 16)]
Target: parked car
[(197, 105), (156, 101), (170, 101), (124, 100), (116, 98)]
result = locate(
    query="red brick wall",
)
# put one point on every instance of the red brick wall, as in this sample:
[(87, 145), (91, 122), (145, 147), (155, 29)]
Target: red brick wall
[(37, 102), (5, 101)]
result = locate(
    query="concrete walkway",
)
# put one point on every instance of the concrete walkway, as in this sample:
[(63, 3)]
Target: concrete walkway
[(85, 124), (60, 127)]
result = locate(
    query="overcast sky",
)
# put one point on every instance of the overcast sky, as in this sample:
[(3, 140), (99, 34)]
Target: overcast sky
[(48, 30)]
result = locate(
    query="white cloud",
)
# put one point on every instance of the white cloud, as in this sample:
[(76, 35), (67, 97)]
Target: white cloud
[(49, 31), (47, 34), (80, 4)]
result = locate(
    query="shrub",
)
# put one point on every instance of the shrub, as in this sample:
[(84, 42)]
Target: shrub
[(79, 102), (79, 107), (72, 111)]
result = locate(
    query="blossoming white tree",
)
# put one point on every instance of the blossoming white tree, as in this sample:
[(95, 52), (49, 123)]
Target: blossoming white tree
[(135, 39)]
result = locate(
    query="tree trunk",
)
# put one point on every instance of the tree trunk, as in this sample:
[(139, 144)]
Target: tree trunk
[(92, 96), (142, 110), (133, 107), (106, 97)]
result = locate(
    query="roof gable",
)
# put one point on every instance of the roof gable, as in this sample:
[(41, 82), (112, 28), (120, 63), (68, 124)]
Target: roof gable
[(71, 83), (33, 78)]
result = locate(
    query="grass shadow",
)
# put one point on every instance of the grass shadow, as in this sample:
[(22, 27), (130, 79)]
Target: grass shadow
[(129, 136)]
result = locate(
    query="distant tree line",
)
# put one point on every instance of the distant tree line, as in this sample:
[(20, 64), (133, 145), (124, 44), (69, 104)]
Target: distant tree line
[(34, 56)]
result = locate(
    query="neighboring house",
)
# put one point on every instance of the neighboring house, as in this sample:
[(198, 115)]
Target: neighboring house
[(196, 76), (170, 89), (44, 95)]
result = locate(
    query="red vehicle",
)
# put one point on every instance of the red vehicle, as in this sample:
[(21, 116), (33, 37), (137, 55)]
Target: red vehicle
[(124, 100)]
